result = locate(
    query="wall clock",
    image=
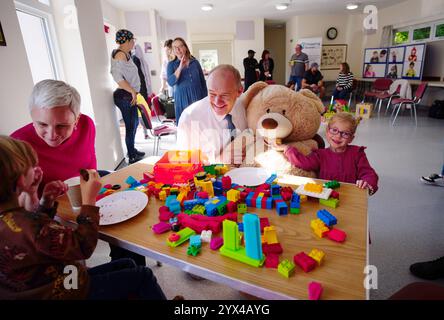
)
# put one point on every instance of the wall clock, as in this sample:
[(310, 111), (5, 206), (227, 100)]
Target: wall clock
[(332, 33)]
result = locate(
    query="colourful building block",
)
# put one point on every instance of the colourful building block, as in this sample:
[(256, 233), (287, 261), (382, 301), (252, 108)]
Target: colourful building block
[(210, 169), (304, 261), (314, 291), (337, 235), (286, 268), (275, 248), (205, 236), (272, 260), (169, 199), (263, 222), (226, 183), (131, 181), (241, 208), (271, 179), (303, 198), (202, 195), (317, 255), (195, 241), (326, 217), (270, 236), (252, 234), (331, 202), (319, 228), (240, 225), (231, 207), (334, 194), (258, 202), (174, 206), (162, 195), (313, 187), (233, 195), (216, 243), (275, 189), (174, 237), (198, 209), (332, 184), (193, 250), (184, 234), (281, 208), (295, 210), (161, 227)]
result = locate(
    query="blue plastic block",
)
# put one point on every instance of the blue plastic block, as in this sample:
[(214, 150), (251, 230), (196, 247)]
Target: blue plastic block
[(217, 184), (222, 198), (174, 206), (211, 209), (295, 205), (241, 227), (271, 179), (275, 189), (327, 217), (189, 204), (248, 199), (173, 220), (169, 199), (252, 236), (195, 241), (103, 190), (269, 203), (295, 197), (131, 180), (277, 198), (217, 191), (259, 202), (281, 208)]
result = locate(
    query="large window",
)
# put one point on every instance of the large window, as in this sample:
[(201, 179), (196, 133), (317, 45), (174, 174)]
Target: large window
[(38, 46), (419, 33)]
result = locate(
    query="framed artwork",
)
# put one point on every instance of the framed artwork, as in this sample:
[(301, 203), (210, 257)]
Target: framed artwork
[(148, 47), (333, 55), (414, 62), (2, 36), (376, 55)]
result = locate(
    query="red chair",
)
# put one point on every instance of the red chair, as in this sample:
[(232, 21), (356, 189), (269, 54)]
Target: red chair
[(386, 95), (158, 112), (164, 129), (399, 102), (379, 86)]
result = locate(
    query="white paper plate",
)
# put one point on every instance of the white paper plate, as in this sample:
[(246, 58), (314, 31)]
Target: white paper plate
[(248, 176), (121, 206)]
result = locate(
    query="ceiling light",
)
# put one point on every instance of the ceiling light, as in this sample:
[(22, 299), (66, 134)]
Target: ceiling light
[(352, 6), (207, 7), (282, 6)]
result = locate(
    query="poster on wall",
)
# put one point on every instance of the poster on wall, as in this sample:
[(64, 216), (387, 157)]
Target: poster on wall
[(208, 60), (400, 62), (414, 61), (333, 55), (312, 48)]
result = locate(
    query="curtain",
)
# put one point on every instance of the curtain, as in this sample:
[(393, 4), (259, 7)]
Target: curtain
[(386, 37)]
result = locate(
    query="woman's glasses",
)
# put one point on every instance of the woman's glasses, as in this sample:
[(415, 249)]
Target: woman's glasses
[(344, 134)]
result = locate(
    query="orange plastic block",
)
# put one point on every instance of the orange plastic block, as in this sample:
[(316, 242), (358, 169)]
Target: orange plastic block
[(313, 187)]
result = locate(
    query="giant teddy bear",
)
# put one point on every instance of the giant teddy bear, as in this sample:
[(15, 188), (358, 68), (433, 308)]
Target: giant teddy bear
[(276, 112)]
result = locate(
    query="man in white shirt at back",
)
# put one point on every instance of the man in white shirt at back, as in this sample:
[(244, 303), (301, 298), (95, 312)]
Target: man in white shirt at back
[(212, 123)]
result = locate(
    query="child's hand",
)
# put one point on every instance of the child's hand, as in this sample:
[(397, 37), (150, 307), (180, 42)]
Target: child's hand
[(52, 191), (38, 175), (273, 143), (362, 184), (90, 188)]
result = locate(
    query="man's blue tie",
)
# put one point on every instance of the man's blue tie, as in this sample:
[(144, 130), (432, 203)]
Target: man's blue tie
[(231, 126)]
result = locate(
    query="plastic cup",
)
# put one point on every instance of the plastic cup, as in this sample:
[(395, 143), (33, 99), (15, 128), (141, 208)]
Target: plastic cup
[(74, 193)]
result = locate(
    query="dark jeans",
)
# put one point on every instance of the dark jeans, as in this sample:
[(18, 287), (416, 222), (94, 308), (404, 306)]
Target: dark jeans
[(122, 100), (123, 279), (343, 94), (118, 253), (298, 82)]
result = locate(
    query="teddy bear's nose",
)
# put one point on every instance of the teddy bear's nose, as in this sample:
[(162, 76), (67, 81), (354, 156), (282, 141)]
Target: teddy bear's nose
[(269, 124)]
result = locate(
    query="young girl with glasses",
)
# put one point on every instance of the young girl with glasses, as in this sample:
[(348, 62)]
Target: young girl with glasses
[(341, 161)]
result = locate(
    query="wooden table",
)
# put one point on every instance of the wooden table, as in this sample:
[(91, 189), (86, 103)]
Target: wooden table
[(341, 275)]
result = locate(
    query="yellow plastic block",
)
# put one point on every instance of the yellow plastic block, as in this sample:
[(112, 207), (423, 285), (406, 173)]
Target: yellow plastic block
[(162, 195), (270, 236), (319, 227), (286, 268), (303, 198), (233, 195), (261, 194), (313, 187), (317, 255), (158, 185)]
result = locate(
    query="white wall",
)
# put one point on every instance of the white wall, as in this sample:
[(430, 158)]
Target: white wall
[(15, 76), (112, 15)]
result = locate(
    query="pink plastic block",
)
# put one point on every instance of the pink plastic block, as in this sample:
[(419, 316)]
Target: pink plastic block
[(164, 209), (337, 235), (334, 194), (174, 237), (272, 260), (226, 183), (165, 215), (202, 195), (199, 223), (148, 176), (231, 207), (216, 243), (108, 186), (314, 291), (306, 262), (264, 223), (274, 248), (161, 227)]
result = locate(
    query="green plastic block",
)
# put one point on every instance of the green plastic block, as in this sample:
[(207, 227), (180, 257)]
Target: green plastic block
[(286, 268), (188, 212), (295, 210), (241, 208), (331, 202), (184, 234), (210, 169), (241, 255), (332, 184), (193, 250)]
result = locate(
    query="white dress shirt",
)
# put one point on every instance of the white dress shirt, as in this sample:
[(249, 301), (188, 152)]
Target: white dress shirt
[(201, 128)]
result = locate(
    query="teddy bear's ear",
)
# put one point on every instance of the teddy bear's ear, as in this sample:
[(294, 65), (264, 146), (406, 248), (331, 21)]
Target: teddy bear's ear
[(316, 101), (252, 91)]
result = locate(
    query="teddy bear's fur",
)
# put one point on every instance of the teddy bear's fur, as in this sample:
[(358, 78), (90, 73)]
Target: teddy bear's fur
[(274, 111)]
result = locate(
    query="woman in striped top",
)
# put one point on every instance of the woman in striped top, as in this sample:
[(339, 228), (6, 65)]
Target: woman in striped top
[(344, 82)]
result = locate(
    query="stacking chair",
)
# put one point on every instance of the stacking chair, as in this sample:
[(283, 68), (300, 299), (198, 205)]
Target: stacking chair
[(380, 97), (379, 86), (158, 112), (165, 128), (399, 102)]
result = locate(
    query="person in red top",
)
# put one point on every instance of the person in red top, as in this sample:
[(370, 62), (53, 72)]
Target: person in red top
[(62, 137), (341, 161)]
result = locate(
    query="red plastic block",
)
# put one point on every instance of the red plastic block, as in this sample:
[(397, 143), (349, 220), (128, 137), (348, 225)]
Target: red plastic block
[(216, 243), (264, 223), (314, 291), (272, 260), (161, 227), (243, 196), (264, 202), (274, 248), (286, 193), (174, 237), (226, 183), (108, 186), (231, 207), (165, 216), (334, 194), (148, 176), (199, 223), (202, 195), (163, 209), (337, 235), (306, 262)]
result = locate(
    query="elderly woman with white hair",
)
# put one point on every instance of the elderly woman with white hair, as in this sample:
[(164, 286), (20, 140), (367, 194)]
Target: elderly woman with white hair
[(62, 137)]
